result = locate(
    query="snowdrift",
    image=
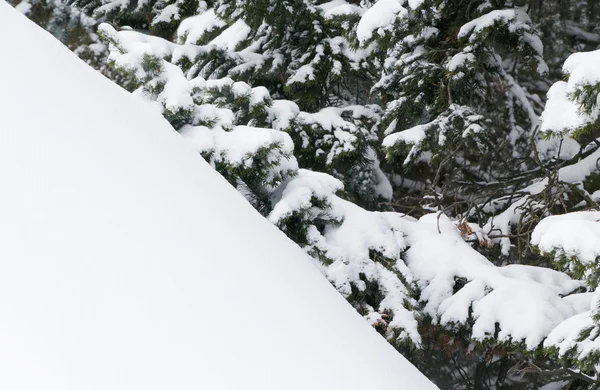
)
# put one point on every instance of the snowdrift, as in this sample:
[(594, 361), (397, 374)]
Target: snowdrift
[(126, 262)]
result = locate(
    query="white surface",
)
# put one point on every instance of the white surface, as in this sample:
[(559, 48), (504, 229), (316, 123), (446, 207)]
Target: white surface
[(126, 262), (524, 301), (380, 18), (562, 113), (573, 234)]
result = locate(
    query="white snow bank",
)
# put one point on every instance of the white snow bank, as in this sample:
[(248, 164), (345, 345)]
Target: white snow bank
[(126, 262)]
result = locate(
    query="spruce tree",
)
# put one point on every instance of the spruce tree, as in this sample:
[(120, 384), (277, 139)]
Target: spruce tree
[(457, 116)]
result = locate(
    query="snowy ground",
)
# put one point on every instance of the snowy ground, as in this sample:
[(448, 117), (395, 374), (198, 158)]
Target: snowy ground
[(126, 262)]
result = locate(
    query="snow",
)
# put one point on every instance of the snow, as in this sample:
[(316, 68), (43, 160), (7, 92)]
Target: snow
[(566, 336), (516, 21), (416, 135), (460, 60), (302, 75), (297, 194), (555, 385), (379, 18), (525, 302), (502, 222), (581, 302), (513, 17), (128, 263), (24, 7), (283, 113), (520, 303), (343, 134), (340, 45), (582, 68), (573, 30), (574, 234), (340, 8), (193, 28), (581, 169), (384, 187), (232, 36), (167, 14), (561, 114), (413, 136), (348, 241), (111, 5), (328, 6), (238, 145)]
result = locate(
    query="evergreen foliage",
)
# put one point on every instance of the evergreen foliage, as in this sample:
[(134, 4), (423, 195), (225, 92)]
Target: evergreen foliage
[(457, 117)]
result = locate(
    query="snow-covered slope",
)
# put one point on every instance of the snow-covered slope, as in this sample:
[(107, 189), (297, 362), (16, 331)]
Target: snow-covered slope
[(127, 263)]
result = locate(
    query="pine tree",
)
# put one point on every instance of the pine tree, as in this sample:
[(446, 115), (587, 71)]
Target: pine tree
[(456, 114)]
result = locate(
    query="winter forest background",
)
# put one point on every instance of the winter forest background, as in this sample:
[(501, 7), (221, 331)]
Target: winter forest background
[(438, 159)]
